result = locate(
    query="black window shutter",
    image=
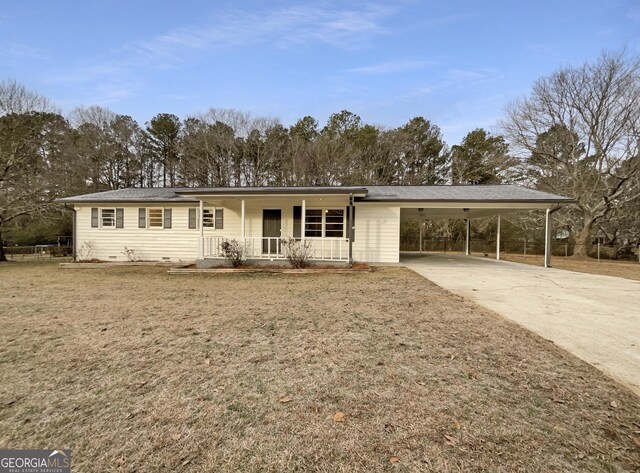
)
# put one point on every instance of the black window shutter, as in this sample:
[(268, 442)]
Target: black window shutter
[(142, 218), (352, 224), (167, 218), (119, 218), (193, 218), (94, 218), (219, 219), (297, 221)]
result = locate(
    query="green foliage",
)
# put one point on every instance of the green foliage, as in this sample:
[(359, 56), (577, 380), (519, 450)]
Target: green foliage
[(481, 158), (38, 229)]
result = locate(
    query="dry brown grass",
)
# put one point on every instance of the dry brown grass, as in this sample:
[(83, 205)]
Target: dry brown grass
[(621, 269), (136, 370)]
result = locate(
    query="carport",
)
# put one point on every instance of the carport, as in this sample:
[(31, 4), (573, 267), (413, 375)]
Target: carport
[(466, 202), (421, 214)]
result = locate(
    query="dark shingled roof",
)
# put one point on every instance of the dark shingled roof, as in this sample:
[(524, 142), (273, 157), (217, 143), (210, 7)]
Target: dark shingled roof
[(132, 194), (445, 193), (460, 193)]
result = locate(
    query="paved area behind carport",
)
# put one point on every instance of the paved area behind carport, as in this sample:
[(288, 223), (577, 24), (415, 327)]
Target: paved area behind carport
[(597, 318)]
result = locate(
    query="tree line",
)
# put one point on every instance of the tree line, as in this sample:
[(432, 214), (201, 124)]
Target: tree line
[(576, 133)]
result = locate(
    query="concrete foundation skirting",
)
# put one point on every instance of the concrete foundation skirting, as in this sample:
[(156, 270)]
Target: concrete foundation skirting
[(267, 270), (209, 263), (116, 264)]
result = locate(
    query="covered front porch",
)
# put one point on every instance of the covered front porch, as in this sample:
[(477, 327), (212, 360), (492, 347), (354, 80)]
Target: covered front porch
[(265, 225), (275, 248)]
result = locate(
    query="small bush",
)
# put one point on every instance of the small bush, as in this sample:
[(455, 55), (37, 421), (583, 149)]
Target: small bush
[(84, 252), (233, 252), (297, 251), (130, 254)]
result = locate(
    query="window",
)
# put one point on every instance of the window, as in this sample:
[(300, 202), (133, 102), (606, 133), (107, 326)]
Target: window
[(208, 219), (327, 223), (219, 219), (155, 218), (108, 217), (313, 223), (334, 223)]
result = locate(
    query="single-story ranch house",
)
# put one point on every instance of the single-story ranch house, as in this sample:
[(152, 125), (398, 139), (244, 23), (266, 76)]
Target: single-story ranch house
[(341, 224)]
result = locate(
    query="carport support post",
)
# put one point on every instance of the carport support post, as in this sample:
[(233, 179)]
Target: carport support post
[(302, 222), (547, 240), (352, 226), (498, 240), (467, 246), (201, 246), (242, 222)]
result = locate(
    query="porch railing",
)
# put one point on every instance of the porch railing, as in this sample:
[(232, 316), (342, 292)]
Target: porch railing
[(320, 249)]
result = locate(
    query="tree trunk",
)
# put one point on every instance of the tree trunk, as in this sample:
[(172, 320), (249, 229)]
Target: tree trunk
[(3, 256), (583, 241)]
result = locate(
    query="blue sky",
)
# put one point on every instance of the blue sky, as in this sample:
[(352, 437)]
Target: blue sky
[(457, 63)]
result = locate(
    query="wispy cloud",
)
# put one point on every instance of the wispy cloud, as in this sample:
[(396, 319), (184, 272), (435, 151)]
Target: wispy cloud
[(402, 65), (86, 74), (21, 51), (349, 26), (463, 75), (634, 14), (342, 27)]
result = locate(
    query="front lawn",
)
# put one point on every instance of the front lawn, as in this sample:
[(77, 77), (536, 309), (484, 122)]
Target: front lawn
[(136, 370)]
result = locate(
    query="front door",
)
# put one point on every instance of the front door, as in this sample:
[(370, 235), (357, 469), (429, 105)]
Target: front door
[(271, 230)]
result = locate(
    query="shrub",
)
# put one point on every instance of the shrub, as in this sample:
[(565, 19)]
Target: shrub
[(130, 254), (233, 252), (84, 252), (297, 251)]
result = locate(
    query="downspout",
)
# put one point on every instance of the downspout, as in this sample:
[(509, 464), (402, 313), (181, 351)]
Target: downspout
[(74, 246), (352, 225), (74, 225)]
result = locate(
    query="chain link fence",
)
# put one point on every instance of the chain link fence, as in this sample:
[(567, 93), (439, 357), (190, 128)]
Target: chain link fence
[(37, 251), (456, 245)]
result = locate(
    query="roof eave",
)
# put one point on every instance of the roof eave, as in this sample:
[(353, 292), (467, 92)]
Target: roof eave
[(483, 201), (266, 191), (125, 201)]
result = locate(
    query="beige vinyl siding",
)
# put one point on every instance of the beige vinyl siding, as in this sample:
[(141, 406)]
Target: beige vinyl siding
[(377, 234), (377, 229), (180, 243)]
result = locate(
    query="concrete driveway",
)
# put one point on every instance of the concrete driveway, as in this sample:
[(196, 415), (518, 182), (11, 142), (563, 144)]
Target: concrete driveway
[(597, 318)]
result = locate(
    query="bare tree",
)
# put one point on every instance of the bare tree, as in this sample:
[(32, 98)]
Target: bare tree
[(579, 134), (16, 98)]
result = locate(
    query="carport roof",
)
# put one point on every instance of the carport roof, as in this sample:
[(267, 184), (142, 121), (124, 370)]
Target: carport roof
[(443, 193), (502, 193)]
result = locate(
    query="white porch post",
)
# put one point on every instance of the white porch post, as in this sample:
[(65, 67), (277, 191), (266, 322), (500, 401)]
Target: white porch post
[(547, 240), (421, 225), (467, 248), (302, 221), (498, 240), (201, 246), (242, 219)]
